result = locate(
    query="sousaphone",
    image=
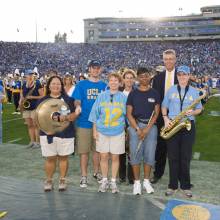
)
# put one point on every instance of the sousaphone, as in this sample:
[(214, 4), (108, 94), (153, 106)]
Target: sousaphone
[(45, 112)]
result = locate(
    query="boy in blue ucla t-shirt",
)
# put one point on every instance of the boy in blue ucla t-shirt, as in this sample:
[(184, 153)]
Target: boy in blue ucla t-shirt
[(85, 94)]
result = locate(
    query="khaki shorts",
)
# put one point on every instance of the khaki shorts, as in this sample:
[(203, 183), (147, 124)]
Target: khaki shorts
[(111, 144), (84, 140), (29, 114), (60, 146)]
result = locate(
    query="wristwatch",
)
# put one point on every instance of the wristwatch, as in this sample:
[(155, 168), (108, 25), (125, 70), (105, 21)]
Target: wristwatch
[(137, 129)]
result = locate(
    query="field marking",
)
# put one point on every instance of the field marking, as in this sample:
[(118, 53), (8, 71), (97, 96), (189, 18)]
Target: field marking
[(155, 202), (15, 119), (15, 140)]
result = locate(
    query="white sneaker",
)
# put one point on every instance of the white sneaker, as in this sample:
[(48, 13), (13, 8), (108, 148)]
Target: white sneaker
[(83, 182), (149, 189), (104, 186), (137, 189), (113, 187)]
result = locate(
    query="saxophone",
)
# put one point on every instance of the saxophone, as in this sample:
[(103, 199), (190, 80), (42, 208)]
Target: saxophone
[(180, 121), (26, 103)]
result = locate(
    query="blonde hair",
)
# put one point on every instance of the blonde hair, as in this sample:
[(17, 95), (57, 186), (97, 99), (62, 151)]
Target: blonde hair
[(116, 75), (129, 71)]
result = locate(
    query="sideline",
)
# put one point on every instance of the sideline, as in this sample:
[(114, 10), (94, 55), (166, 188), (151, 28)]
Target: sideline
[(14, 119), (15, 140)]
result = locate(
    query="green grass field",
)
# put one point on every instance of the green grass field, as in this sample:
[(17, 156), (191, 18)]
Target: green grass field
[(207, 139)]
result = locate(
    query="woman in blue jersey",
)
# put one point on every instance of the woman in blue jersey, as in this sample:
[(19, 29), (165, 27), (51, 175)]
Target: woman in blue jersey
[(108, 117)]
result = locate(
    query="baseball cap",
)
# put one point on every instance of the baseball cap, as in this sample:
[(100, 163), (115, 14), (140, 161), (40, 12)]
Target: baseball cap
[(28, 72), (183, 69), (94, 63)]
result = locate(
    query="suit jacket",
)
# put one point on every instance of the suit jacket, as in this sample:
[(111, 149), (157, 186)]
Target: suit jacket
[(159, 85)]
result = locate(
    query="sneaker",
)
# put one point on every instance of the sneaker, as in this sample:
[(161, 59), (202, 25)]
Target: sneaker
[(83, 182), (149, 189), (30, 145), (14, 113), (62, 184), (137, 189), (36, 145), (98, 177), (170, 192), (104, 186), (113, 187), (187, 193), (18, 113), (48, 186)]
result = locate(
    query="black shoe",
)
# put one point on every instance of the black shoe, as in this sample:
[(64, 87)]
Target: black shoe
[(131, 182), (191, 185), (122, 180), (154, 179)]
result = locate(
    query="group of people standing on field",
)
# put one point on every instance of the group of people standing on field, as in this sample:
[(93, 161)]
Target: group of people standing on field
[(118, 121)]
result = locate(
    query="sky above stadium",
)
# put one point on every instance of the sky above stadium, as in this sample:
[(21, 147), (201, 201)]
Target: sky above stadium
[(19, 19)]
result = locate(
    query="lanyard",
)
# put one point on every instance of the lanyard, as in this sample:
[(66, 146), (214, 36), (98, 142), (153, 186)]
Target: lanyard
[(182, 99)]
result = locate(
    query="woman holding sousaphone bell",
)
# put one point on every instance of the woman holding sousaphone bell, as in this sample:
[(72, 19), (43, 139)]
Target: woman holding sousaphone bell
[(54, 115), (31, 92)]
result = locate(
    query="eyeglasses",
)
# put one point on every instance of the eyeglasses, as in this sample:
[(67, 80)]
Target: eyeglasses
[(111, 98)]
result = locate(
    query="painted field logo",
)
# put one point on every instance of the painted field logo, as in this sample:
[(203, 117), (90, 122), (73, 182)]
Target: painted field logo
[(191, 212)]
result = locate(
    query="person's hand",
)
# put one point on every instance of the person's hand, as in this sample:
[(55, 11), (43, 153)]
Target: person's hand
[(140, 133), (95, 135), (189, 112), (167, 122), (78, 110), (145, 132)]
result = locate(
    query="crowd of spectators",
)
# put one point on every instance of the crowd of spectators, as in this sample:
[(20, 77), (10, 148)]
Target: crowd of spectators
[(202, 56)]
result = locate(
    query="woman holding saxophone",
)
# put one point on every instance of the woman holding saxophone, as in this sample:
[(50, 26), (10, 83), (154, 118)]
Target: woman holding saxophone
[(180, 102), (31, 92)]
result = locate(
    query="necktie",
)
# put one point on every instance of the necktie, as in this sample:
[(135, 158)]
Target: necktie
[(168, 81)]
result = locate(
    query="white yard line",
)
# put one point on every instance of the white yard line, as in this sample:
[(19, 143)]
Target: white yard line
[(157, 203), (14, 119), (15, 140)]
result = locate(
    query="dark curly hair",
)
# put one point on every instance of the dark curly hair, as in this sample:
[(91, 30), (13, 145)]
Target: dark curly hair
[(49, 82)]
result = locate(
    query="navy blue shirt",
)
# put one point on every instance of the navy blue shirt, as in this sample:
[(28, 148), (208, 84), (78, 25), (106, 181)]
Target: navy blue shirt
[(25, 91), (69, 132), (143, 102)]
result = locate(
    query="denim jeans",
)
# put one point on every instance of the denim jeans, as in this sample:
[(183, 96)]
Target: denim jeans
[(147, 148)]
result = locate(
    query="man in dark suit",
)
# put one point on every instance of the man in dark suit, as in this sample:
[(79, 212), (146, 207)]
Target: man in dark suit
[(162, 82)]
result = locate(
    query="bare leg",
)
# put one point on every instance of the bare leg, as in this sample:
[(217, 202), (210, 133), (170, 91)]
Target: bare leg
[(147, 169), (63, 164), (136, 171), (115, 165), (84, 158), (50, 166), (31, 129), (104, 164), (96, 161)]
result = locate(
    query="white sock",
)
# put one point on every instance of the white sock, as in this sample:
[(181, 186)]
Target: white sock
[(113, 180), (146, 180), (137, 181), (104, 179)]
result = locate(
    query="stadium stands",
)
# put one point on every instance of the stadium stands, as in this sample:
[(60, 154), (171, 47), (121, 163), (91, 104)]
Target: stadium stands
[(203, 56)]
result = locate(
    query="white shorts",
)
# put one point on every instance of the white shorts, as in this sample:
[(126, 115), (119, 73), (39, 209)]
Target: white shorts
[(111, 144), (60, 146)]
